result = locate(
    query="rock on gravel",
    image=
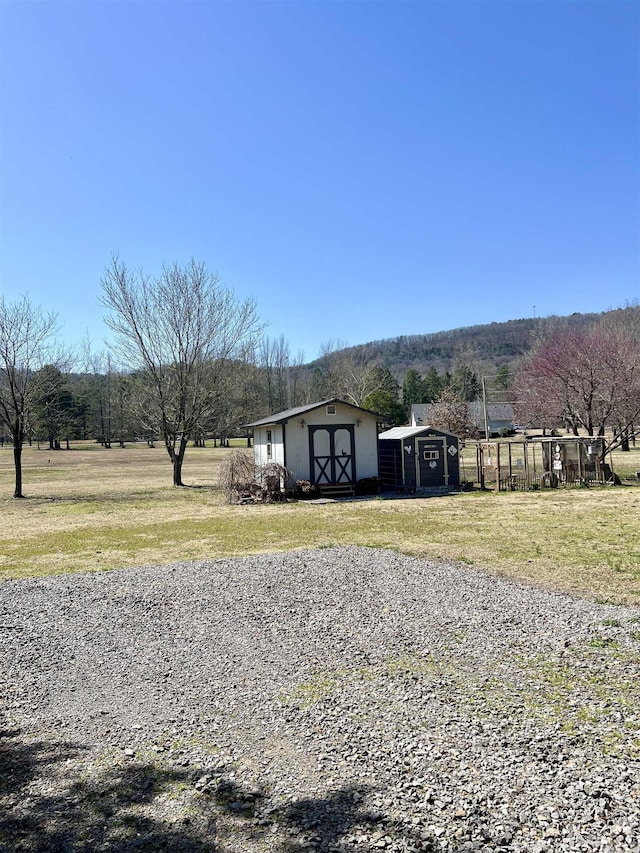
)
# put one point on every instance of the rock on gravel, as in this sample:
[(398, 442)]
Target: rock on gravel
[(336, 700)]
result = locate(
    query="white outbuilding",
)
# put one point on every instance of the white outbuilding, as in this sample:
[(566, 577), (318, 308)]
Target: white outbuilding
[(331, 444)]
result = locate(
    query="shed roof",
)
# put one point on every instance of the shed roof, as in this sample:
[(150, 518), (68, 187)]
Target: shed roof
[(287, 414), (410, 432)]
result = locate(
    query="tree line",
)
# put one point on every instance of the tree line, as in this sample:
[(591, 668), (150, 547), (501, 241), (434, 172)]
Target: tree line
[(191, 361)]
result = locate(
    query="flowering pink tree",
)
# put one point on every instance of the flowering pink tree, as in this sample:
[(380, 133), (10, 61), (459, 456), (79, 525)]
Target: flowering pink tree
[(586, 378)]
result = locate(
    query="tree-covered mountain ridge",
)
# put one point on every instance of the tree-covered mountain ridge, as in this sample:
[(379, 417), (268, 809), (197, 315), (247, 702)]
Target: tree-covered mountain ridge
[(487, 347)]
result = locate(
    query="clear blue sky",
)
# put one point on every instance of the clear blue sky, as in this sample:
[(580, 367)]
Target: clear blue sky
[(362, 169)]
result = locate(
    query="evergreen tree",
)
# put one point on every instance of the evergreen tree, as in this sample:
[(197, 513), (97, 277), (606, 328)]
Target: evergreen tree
[(465, 383), (413, 389), (502, 383), (53, 411), (385, 403), (433, 385)]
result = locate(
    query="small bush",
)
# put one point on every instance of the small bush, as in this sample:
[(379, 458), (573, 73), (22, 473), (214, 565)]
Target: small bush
[(238, 476), (246, 482), (272, 479), (368, 486), (304, 490)]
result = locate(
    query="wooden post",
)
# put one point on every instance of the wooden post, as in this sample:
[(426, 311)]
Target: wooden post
[(579, 450), (480, 463), (497, 467)]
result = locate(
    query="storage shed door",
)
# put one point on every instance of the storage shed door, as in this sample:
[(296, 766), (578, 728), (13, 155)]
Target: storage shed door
[(331, 454), (430, 462)]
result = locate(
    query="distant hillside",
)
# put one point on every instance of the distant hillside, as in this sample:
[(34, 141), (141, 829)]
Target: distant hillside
[(486, 347)]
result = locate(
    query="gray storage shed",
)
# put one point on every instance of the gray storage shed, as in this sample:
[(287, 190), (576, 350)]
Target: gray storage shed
[(414, 458)]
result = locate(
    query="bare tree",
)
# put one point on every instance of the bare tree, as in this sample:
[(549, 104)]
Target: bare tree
[(282, 365), (180, 332), (452, 414), (297, 387), (26, 346), (352, 372), (274, 361)]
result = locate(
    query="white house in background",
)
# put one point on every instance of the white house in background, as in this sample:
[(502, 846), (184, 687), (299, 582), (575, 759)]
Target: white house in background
[(499, 416), (332, 444)]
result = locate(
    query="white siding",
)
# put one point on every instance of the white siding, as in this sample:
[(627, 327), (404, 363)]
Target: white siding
[(260, 445), (367, 448), (290, 441), (297, 448), (365, 437)]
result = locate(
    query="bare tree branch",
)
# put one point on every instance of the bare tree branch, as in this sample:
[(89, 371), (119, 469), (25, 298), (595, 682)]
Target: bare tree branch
[(179, 332)]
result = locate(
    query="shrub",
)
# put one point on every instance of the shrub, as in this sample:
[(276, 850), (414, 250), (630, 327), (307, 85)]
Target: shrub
[(246, 482), (368, 486), (304, 489), (272, 479), (238, 476)]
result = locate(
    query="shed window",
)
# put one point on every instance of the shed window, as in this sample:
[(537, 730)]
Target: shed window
[(432, 454), (331, 410), (269, 451), (269, 436)]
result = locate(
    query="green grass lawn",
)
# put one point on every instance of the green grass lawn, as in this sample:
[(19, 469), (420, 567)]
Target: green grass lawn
[(91, 509)]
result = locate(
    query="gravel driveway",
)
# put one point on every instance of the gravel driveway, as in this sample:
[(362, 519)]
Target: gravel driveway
[(342, 699)]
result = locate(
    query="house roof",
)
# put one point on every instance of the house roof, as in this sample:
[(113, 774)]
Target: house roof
[(409, 432), (287, 414), (495, 411)]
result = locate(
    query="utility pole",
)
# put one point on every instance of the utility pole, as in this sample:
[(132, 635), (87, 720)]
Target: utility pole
[(484, 405)]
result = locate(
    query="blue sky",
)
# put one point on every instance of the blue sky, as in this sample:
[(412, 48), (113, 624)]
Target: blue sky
[(362, 169)]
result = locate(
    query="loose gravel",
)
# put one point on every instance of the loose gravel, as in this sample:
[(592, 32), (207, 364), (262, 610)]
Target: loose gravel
[(335, 700)]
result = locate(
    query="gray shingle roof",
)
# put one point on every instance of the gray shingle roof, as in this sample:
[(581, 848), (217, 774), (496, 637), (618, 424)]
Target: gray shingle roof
[(279, 417)]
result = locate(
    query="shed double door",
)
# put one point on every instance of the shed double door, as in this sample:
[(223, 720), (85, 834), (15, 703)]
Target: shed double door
[(431, 462), (332, 454)]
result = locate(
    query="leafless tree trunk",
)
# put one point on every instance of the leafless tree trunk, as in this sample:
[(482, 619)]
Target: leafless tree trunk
[(179, 332), (274, 361), (296, 389), (353, 373), (26, 334), (452, 414), (282, 363), (266, 361)]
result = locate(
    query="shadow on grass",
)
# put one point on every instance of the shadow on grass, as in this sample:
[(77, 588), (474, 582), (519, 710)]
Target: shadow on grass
[(54, 799)]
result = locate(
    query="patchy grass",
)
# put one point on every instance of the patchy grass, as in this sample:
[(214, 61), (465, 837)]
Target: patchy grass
[(627, 463), (595, 689), (108, 509)]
